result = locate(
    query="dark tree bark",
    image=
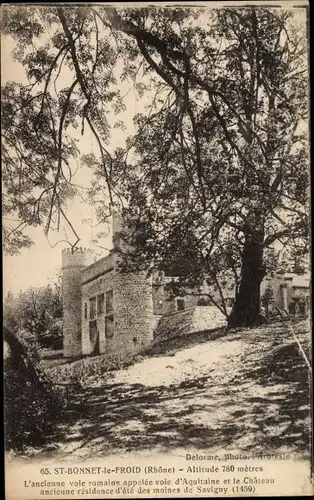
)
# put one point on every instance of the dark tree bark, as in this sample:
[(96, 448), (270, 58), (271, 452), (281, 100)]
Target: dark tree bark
[(246, 309)]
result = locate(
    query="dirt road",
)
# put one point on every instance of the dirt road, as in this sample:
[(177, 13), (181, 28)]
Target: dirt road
[(242, 392)]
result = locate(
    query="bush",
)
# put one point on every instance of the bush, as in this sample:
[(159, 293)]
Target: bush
[(32, 407)]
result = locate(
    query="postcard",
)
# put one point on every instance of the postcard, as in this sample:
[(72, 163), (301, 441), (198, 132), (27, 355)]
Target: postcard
[(156, 192)]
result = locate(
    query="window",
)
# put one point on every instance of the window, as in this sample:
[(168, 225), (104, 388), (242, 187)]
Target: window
[(302, 308), (100, 304), (85, 310), (292, 308), (180, 304), (94, 336), (93, 330), (92, 307), (109, 326), (109, 301)]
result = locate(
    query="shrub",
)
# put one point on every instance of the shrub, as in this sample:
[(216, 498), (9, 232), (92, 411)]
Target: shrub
[(32, 407)]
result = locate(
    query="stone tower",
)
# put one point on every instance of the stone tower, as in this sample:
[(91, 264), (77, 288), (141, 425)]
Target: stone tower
[(73, 261), (133, 299)]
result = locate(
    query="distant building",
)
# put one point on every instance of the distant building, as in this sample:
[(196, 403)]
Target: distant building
[(106, 311), (287, 291)]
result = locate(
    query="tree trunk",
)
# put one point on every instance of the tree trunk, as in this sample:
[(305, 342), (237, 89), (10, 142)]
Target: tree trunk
[(246, 308)]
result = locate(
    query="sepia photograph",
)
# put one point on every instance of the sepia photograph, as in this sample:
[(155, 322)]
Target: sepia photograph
[(156, 254)]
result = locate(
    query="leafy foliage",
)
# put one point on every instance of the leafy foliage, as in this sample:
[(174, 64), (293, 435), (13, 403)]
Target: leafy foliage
[(220, 171), (40, 120), (217, 171), (36, 315), (32, 406)]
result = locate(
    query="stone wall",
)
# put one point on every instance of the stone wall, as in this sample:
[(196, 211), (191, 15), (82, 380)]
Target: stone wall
[(196, 319), (133, 320), (207, 318), (174, 325), (96, 269), (134, 305)]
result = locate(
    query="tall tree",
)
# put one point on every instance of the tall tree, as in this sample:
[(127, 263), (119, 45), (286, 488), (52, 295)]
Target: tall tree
[(218, 169), (231, 162)]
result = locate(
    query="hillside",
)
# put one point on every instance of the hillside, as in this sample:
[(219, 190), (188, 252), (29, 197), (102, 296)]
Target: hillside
[(247, 390)]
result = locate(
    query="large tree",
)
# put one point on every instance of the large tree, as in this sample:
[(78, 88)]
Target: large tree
[(221, 170), (218, 169)]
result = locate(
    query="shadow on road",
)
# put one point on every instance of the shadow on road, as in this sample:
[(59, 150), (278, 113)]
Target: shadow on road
[(266, 409)]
